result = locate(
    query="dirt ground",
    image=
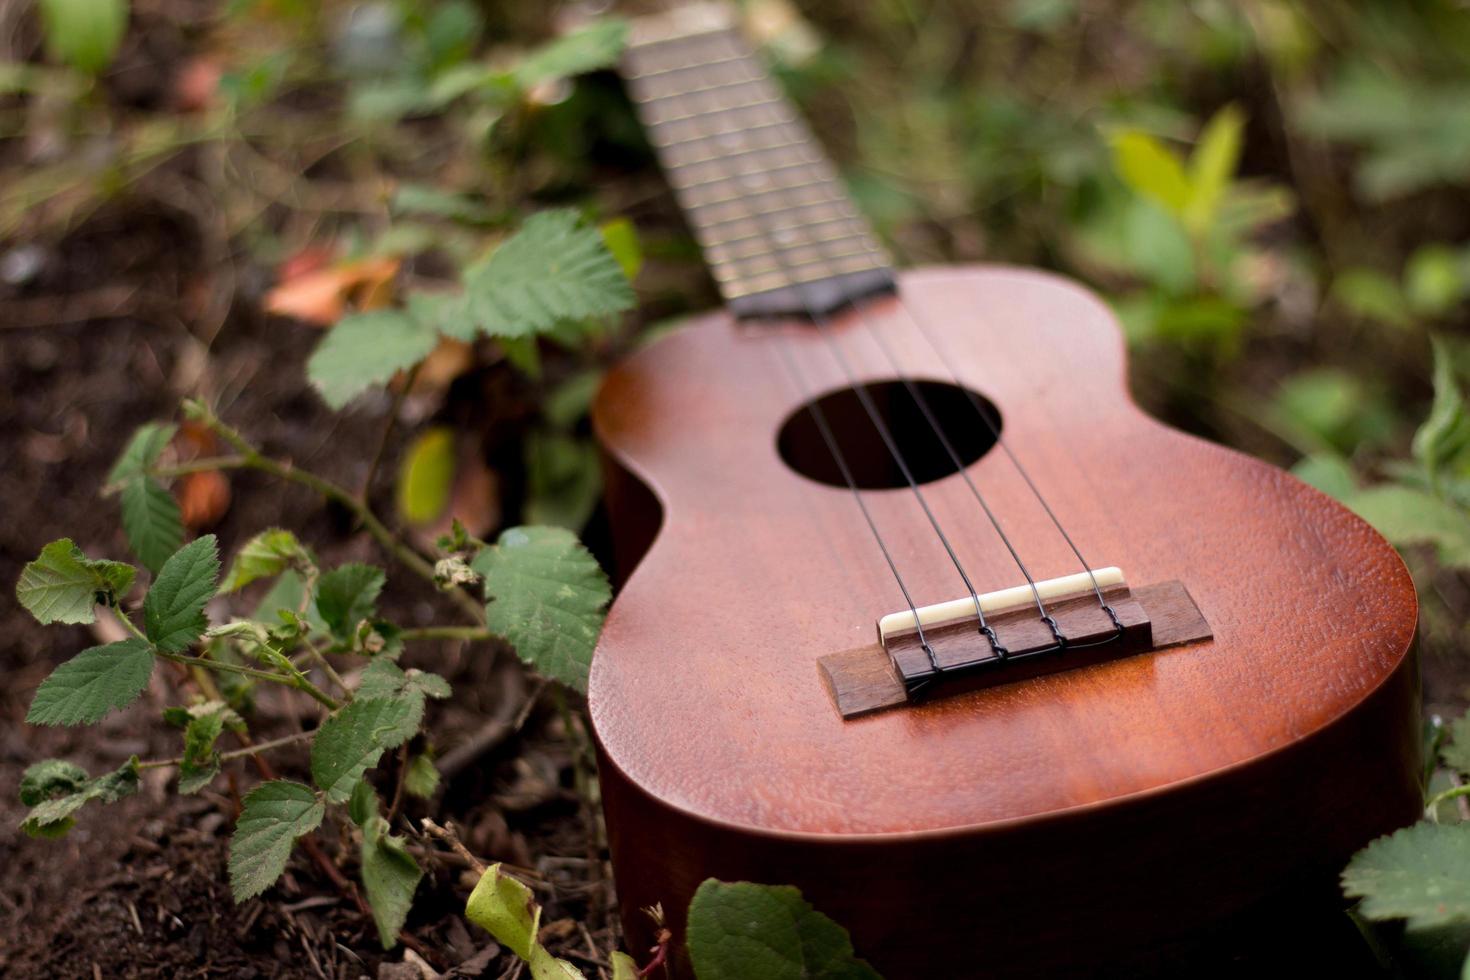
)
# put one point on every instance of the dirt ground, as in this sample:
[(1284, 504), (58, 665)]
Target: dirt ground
[(139, 889)]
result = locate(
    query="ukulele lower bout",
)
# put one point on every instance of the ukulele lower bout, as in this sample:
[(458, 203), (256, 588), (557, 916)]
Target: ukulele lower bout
[(1101, 811)]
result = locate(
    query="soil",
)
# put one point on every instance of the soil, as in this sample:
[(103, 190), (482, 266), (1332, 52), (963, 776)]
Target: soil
[(139, 889)]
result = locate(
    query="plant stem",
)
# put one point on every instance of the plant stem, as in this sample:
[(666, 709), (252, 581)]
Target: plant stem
[(398, 396), (469, 633), (252, 749), (1431, 809), (251, 458), (331, 672), (300, 682)]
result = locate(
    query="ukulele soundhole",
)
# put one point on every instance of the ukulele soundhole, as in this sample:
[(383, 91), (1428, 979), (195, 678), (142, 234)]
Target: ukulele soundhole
[(957, 411)]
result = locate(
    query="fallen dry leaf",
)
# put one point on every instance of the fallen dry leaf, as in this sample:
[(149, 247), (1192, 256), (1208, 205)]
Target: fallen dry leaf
[(203, 498), (320, 296)]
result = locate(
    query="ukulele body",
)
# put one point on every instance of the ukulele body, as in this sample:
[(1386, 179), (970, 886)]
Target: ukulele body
[(1087, 817)]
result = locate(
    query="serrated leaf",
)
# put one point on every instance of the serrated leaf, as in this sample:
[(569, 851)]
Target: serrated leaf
[(546, 596), (50, 778), (347, 595), (422, 778), (63, 585), (201, 762), (1445, 434), (52, 816), (1407, 516), (173, 611), (141, 452), (1151, 170), (506, 908), (390, 876), (94, 682), (275, 814), (350, 742), (1420, 873), (738, 930), (366, 349), (594, 46), (269, 553), (151, 520), (555, 268), (385, 679)]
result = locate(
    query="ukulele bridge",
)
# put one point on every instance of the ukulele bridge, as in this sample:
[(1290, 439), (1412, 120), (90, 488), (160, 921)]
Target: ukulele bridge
[(1021, 632)]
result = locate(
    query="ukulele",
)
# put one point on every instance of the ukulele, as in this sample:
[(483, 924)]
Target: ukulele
[(920, 613)]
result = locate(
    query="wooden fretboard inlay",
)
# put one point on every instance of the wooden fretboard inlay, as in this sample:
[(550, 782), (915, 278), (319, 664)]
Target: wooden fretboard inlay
[(776, 225)]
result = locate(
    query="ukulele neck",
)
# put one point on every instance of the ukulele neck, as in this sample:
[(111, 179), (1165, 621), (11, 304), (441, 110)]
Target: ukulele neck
[(777, 228)]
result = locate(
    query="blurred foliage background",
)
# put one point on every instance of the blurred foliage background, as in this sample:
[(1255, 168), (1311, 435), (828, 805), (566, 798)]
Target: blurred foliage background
[(1273, 194)]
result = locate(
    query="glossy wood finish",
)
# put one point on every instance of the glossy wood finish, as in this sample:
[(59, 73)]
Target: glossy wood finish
[(1070, 819)]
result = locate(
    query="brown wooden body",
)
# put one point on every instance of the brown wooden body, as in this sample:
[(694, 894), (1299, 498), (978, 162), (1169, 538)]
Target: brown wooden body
[(1076, 819)]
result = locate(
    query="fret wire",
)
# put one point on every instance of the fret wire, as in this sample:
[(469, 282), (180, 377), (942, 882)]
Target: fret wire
[(847, 218), (653, 137), (747, 268), (738, 248), (740, 240), (820, 182), (724, 30), (744, 176), (744, 151), (768, 284), (686, 67), (714, 111), (763, 212), (644, 93), (779, 156)]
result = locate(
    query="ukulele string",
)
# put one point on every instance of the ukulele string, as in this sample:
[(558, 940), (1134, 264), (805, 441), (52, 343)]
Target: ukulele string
[(922, 328), (820, 418), (802, 136)]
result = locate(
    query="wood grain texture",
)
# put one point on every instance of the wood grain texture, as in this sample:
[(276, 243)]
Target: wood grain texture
[(1099, 800)]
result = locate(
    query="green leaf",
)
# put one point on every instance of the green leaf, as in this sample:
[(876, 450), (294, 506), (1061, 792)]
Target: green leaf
[(546, 596), (50, 778), (563, 480), (1456, 754), (274, 815), (1211, 167), (92, 683), (1445, 434), (740, 929), (1420, 873), (1434, 280), (1151, 170), (141, 452), (150, 517), (1407, 516), (389, 876), (553, 269), (422, 778), (347, 595), (507, 909), (84, 34), (173, 611), (269, 553), (594, 46), (621, 239), (623, 967), (366, 349), (1329, 473), (350, 742), (201, 762), (1370, 294), (63, 585), (60, 789), (385, 679), (426, 476)]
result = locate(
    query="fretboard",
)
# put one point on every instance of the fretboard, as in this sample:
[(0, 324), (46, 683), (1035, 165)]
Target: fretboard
[(777, 228)]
